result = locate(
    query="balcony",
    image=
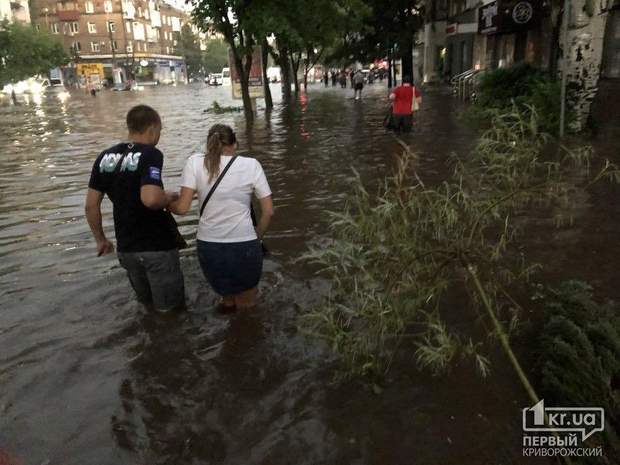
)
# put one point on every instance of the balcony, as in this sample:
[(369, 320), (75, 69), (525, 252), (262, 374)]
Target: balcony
[(69, 15)]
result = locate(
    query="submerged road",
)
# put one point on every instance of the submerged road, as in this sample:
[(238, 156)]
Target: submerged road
[(86, 377)]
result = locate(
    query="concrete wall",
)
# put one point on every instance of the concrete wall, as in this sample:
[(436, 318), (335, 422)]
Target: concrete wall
[(583, 59), (434, 40)]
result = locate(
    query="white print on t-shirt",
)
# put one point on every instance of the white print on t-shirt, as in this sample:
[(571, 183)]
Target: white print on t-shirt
[(109, 161)]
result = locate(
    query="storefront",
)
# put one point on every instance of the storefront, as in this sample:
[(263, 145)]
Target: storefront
[(515, 32)]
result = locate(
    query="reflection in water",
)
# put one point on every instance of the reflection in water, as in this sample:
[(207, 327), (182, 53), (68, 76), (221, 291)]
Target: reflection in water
[(87, 378)]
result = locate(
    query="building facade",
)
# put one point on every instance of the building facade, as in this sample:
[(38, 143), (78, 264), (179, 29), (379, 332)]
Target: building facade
[(15, 10), (117, 39), (462, 35)]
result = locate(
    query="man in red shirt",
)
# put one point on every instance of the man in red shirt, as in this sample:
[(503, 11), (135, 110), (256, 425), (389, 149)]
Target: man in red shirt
[(402, 105)]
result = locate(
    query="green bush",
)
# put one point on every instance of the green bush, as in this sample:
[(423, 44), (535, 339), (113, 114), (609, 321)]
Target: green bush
[(524, 86), (579, 352)]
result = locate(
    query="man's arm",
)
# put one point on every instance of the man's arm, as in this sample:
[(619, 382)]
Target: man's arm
[(155, 198), (92, 209), (152, 194)]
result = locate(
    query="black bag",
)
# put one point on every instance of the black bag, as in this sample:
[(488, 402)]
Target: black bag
[(388, 121), (174, 228)]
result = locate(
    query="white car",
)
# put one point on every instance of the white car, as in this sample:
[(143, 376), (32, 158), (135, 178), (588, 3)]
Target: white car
[(214, 79)]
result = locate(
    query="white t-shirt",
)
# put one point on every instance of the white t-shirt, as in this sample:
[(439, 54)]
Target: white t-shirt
[(227, 215)]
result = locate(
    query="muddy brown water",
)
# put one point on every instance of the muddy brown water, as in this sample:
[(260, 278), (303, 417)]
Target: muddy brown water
[(87, 377)]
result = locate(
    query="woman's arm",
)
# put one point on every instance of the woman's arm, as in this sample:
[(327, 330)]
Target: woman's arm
[(182, 205), (266, 213)]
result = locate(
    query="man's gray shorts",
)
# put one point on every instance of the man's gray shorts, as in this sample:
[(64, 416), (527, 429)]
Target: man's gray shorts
[(156, 277)]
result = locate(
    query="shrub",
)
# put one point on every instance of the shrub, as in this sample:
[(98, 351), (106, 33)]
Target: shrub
[(524, 86), (579, 352), (398, 257)]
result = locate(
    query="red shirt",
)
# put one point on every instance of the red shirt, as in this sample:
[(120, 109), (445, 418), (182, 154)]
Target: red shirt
[(403, 99)]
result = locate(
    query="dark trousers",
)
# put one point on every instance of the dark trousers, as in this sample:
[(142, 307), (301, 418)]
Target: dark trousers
[(402, 122)]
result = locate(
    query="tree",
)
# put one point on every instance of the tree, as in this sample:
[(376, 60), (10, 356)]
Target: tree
[(26, 52), (304, 31), (188, 46), (388, 31), (216, 56), (231, 18)]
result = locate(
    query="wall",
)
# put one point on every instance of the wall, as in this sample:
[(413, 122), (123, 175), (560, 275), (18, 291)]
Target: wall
[(585, 50)]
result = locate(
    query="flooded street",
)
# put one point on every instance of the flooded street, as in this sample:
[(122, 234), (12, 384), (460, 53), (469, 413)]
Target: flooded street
[(87, 377)]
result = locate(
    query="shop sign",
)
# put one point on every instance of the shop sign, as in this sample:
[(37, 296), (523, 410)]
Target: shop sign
[(506, 16)]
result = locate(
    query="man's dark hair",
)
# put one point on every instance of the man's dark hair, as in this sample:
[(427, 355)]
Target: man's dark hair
[(407, 79), (141, 117)]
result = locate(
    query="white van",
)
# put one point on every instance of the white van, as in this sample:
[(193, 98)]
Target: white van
[(225, 76)]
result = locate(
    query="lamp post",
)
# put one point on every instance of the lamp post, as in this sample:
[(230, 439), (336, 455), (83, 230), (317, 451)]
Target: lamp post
[(565, 55)]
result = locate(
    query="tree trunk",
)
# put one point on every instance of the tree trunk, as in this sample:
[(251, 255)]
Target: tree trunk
[(282, 59), (407, 58), (244, 73), (265, 55), (389, 60), (295, 65)]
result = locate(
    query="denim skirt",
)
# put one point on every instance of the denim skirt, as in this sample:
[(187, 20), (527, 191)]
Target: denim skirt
[(231, 267)]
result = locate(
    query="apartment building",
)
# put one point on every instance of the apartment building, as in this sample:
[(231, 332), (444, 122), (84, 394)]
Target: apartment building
[(121, 39), (15, 10)]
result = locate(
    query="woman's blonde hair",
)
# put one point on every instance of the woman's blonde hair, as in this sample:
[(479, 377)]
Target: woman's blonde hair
[(220, 135)]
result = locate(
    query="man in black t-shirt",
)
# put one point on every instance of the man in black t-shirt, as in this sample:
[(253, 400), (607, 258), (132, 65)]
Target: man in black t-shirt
[(130, 174)]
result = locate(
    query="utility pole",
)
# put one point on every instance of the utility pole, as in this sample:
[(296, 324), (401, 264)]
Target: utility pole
[(565, 55)]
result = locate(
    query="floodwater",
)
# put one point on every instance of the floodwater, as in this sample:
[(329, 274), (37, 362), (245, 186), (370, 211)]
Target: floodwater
[(87, 377)]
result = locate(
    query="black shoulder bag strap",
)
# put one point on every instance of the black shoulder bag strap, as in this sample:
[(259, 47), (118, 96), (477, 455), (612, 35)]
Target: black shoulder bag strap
[(217, 183)]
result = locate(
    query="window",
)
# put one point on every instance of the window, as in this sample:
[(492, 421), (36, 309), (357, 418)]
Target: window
[(139, 12), (129, 47), (128, 26), (107, 6), (146, 13), (74, 27), (168, 50), (111, 26), (114, 45), (76, 46), (37, 27), (54, 28), (89, 7), (95, 46), (92, 28)]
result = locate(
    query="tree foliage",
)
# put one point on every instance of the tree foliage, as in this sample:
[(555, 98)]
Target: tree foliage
[(578, 360), (216, 56), (188, 45), (388, 27), (235, 19), (26, 52)]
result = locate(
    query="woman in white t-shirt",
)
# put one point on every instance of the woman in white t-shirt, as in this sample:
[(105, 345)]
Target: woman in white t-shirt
[(228, 244)]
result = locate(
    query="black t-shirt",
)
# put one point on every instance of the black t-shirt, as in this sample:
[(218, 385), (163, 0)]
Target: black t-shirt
[(138, 228)]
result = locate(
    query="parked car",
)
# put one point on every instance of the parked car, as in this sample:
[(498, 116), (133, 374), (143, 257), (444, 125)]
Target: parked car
[(214, 79)]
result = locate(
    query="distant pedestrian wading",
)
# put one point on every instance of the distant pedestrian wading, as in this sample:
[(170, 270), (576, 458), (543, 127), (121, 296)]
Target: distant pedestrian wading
[(405, 101), (358, 84), (228, 244)]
